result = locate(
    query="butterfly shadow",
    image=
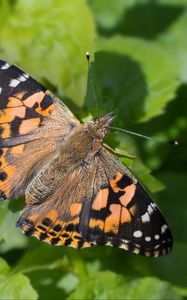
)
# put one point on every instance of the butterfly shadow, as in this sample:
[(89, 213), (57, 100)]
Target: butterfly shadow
[(147, 20)]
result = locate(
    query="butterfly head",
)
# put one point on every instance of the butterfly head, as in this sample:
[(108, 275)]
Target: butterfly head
[(99, 126)]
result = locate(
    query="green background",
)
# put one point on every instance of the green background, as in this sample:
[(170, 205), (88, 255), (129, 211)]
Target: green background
[(140, 73)]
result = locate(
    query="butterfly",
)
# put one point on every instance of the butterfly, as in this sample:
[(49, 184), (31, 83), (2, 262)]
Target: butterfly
[(77, 192)]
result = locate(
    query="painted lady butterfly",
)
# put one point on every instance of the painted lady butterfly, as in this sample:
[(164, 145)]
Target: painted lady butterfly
[(77, 193)]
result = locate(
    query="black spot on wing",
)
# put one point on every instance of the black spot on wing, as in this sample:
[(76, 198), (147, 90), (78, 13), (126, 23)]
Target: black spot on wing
[(68, 242), (57, 228), (47, 222), (69, 228), (54, 241), (124, 181), (46, 102), (1, 132), (3, 176), (15, 125), (43, 236), (64, 235), (29, 231), (41, 227), (29, 224), (52, 233)]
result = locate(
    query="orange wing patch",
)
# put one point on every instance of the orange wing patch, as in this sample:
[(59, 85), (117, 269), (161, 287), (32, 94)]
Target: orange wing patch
[(5, 131), (126, 198), (7, 115), (45, 112), (113, 220), (18, 149), (36, 98), (39, 99), (125, 215), (110, 207), (29, 125), (101, 199), (14, 102), (75, 209), (113, 182)]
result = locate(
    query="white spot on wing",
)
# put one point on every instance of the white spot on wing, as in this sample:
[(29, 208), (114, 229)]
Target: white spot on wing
[(150, 209), (157, 236), (147, 254), (137, 234), (108, 244), (153, 205), (22, 78), (14, 83), (156, 253), (163, 228), (124, 246), (0, 90), (26, 75), (145, 218), (5, 66), (136, 250), (147, 238)]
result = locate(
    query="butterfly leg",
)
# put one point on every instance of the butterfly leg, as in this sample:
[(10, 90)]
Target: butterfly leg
[(118, 152)]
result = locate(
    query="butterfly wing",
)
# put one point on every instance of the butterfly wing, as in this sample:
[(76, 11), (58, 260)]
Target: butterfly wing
[(127, 216), (57, 219), (32, 123), (101, 204)]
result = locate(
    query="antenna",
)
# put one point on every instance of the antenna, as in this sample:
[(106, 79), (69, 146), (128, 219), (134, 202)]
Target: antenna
[(172, 142), (91, 90)]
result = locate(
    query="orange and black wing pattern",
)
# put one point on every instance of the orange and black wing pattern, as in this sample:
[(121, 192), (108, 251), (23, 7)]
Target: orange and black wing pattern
[(31, 121), (106, 206), (123, 215)]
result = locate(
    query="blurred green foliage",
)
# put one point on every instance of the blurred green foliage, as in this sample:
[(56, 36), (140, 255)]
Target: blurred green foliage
[(140, 73)]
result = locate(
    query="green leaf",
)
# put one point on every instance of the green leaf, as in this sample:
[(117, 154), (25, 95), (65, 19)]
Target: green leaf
[(143, 173), (50, 41), (108, 12), (10, 236), (173, 267), (174, 41), (173, 2), (140, 18), (4, 268), (68, 282), (40, 258), (139, 89), (50, 268), (14, 285), (174, 183), (108, 285), (151, 288)]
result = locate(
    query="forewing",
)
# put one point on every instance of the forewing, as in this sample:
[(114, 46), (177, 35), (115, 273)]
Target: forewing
[(100, 203), (32, 124)]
